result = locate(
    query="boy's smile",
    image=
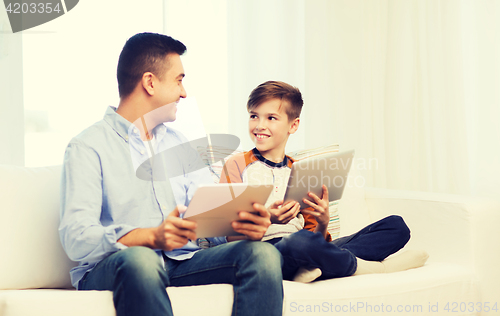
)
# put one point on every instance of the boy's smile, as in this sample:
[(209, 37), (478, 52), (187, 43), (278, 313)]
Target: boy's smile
[(269, 128)]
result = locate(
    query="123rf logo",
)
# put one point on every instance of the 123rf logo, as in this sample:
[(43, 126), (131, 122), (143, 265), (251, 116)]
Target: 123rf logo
[(24, 15)]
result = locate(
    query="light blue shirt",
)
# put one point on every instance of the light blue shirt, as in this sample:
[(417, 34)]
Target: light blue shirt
[(103, 197)]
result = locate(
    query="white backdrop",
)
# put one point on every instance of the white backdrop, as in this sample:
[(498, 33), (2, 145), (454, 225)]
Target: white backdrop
[(413, 86)]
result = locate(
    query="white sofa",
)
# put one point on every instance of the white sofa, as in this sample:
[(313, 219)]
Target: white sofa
[(462, 275)]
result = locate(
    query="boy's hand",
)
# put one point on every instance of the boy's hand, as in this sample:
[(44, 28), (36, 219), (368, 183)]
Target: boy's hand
[(285, 213), (320, 210), (255, 225)]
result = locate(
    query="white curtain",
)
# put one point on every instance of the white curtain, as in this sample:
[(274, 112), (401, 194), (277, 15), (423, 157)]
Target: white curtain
[(413, 86)]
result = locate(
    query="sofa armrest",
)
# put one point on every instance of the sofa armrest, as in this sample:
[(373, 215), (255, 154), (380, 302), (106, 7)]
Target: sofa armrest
[(451, 228)]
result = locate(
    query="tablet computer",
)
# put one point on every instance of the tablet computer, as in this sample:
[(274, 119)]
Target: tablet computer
[(309, 174), (215, 206)]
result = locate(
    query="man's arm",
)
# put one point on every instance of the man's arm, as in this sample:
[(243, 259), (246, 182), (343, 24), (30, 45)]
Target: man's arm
[(173, 233), (258, 226), (231, 173), (82, 235)]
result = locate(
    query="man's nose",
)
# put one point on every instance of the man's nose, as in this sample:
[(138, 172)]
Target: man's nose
[(183, 92)]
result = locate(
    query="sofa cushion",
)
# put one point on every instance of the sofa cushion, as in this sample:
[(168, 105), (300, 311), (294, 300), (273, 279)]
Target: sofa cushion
[(352, 208), (414, 291), (32, 255), (421, 291)]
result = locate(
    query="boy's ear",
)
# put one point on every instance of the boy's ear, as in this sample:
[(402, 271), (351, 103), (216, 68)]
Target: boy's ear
[(294, 126)]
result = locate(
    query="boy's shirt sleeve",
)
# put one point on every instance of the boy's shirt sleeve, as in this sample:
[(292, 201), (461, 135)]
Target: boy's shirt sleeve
[(310, 224), (232, 171)]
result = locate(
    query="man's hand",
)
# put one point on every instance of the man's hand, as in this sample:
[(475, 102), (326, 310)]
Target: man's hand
[(174, 232), (255, 225), (285, 213), (320, 210)]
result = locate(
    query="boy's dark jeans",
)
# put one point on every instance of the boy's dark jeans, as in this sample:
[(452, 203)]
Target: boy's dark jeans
[(337, 258)]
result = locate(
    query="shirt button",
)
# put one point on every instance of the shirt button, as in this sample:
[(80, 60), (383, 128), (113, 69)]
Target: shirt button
[(163, 207), (135, 130), (142, 152)]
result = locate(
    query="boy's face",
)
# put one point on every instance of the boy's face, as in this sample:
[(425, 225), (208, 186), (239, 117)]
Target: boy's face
[(269, 129)]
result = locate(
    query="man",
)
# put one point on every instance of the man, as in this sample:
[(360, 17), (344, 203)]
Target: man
[(125, 230)]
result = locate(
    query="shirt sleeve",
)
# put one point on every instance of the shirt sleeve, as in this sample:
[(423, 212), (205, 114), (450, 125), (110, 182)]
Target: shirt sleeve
[(310, 224), (232, 170), (218, 240), (82, 235)]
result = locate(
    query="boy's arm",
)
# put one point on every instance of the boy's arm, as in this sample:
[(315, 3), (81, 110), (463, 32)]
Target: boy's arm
[(232, 170), (319, 211), (311, 224)]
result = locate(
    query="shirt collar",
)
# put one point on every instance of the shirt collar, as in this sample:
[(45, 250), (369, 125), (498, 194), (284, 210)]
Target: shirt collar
[(125, 129), (117, 122), (269, 162)]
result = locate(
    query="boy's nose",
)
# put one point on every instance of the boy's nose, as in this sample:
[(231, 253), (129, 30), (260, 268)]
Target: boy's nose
[(260, 126)]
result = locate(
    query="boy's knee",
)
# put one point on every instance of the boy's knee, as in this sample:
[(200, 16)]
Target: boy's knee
[(399, 225), (301, 241)]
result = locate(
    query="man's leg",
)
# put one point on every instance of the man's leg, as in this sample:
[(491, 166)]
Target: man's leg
[(137, 279), (253, 268)]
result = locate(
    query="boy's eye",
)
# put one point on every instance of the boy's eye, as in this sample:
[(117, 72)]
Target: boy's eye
[(272, 118), (252, 116)]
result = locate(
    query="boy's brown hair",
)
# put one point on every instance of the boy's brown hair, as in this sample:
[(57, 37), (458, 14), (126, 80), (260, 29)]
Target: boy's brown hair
[(277, 90)]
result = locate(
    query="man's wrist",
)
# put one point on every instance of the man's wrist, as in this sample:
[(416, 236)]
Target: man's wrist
[(140, 237)]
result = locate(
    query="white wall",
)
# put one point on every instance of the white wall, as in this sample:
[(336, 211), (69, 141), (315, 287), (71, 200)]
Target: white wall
[(413, 84), (69, 70), (11, 95), (202, 27), (266, 42)]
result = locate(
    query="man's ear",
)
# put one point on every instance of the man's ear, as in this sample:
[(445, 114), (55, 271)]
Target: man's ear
[(295, 126), (147, 83)]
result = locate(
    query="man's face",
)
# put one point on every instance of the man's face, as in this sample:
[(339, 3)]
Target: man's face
[(170, 90), (269, 128)]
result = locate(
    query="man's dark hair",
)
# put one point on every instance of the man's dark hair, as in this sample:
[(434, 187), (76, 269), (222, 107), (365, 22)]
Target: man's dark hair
[(277, 90), (144, 52)]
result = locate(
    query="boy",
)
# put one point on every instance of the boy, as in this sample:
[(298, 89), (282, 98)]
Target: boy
[(301, 235)]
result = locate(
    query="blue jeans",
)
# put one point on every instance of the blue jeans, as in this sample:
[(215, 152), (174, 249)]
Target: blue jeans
[(138, 280), (337, 258)]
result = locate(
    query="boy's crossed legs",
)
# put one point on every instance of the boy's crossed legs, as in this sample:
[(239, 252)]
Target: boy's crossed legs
[(309, 255)]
